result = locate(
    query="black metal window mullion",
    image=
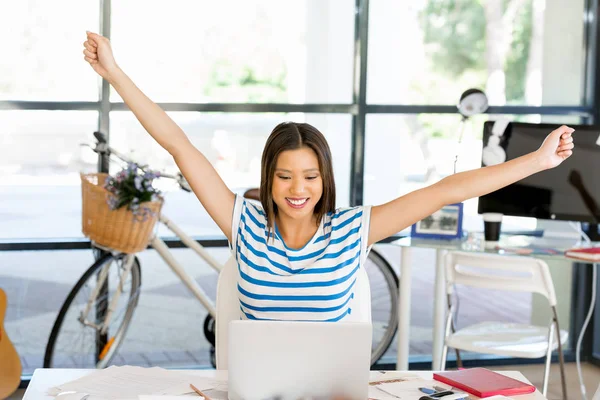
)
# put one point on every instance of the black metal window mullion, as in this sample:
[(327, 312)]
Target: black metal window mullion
[(104, 111), (359, 98), (591, 79)]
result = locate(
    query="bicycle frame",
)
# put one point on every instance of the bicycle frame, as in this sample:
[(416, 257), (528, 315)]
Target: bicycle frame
[(163, 250), (160, 246)]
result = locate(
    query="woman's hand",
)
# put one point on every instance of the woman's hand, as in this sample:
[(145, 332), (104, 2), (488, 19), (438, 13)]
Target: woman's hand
[(557, 147), (98, 53)]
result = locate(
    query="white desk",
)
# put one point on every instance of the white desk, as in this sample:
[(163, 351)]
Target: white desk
[(44, 379), (439, 302)]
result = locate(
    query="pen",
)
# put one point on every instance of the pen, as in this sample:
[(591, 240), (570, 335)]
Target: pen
[(427, 390), (199, 392)]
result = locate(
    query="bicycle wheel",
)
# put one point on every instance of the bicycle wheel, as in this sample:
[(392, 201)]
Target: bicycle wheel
[(75, 340), (384, 303)]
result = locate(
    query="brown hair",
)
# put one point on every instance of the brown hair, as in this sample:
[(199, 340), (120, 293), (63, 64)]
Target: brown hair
[(293, 136)]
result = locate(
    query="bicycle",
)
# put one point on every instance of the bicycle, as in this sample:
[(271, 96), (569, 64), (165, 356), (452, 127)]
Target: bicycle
[(101, 304)]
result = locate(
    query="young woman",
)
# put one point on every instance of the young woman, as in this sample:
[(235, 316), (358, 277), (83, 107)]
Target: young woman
[(298, 256)]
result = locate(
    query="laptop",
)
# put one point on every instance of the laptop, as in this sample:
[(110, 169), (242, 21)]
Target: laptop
[(293, 360)]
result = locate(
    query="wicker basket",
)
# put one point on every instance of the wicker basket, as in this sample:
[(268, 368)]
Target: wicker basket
[(116, 229)]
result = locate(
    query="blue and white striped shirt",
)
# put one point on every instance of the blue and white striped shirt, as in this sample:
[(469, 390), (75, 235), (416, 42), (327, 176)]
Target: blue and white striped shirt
[(314, 283)]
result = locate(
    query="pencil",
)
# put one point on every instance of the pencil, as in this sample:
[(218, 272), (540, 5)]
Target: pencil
[(199, 392)]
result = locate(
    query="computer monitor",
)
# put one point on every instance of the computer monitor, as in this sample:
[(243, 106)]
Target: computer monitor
[(569, 192)]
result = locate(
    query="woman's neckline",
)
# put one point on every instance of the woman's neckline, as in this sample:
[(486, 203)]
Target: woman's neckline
[(311, 240)]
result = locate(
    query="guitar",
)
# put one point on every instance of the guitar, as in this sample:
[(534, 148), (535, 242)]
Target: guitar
[(10, 363)]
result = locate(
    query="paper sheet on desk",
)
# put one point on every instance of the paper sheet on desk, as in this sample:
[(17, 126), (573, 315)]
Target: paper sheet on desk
[(129, 382), (404, 387), (379, 377)]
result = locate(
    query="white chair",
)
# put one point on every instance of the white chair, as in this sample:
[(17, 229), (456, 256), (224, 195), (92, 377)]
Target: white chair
[(228, 309), (228, 306), (511, 273)]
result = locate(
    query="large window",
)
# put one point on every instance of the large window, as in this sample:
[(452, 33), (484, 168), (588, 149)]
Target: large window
[(40, 160), (264, 51), (41, 56), (430, 51)]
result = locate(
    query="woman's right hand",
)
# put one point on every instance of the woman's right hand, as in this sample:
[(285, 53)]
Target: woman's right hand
[(98, 53)]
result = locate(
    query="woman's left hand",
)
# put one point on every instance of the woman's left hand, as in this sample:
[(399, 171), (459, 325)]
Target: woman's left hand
[(557, 147)]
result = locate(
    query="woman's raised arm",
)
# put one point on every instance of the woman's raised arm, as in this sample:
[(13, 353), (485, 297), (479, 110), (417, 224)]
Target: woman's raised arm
[(404, 211), (204, 180)]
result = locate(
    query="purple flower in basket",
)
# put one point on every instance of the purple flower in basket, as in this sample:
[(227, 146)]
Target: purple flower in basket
[(112, 202), (143, 214), (132, 168), (121, 176), (137, 181), (131, 187)]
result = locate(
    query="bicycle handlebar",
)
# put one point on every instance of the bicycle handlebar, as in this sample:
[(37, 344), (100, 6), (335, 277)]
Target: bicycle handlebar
[(102, 147)]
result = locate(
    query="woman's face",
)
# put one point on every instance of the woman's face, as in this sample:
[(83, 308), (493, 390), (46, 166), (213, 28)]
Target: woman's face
[(297, 183)]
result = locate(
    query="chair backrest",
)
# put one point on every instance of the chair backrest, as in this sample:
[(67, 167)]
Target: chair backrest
[(228, 306), (500, 272), (361, 311), (228, 309)]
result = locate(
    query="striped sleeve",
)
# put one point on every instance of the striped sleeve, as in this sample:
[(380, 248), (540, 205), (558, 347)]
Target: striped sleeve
[(235, 221), (364, 234)]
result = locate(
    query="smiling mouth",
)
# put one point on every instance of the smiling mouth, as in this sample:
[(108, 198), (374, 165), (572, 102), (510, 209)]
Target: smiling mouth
[(296, 203)]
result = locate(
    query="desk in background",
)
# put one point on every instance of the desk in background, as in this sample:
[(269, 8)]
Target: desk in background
[(509, 245), (43, 379)]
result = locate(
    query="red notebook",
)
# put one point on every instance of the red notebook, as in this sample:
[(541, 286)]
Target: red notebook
[(584, 253), (483, 383)]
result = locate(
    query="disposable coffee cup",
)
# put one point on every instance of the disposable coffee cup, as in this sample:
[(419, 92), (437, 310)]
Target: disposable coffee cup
[(491, 226)]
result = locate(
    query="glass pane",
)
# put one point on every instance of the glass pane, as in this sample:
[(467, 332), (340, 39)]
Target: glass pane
[(266, 51), (524, 308), (165, 306), (36, 285), (431, 51), (407, 152), (233, 143), (42, 54), (40, 161), (404, 153)]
